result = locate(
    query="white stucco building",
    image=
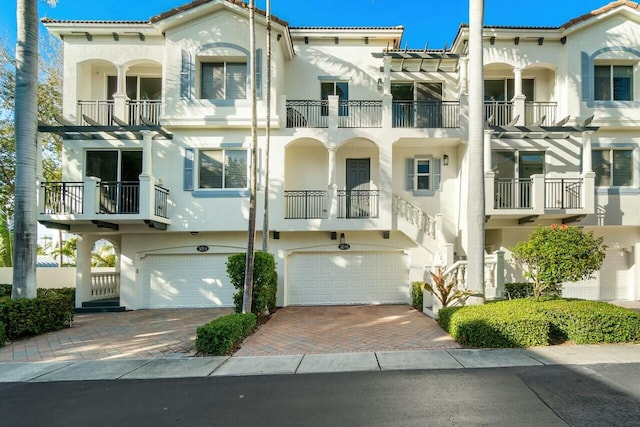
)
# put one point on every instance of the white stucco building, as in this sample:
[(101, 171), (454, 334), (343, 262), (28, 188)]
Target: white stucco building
[(368, 149)]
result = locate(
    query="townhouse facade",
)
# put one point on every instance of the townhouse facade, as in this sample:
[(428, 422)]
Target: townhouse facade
[(368, 161)]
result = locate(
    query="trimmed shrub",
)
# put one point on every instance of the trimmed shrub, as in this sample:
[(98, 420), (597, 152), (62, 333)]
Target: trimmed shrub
[(416, 295), (265, 281), (3, 337), (527, 322), (69, 294), (28, 317), (591, 322), (5, 290), (222, 335), (495, 325)]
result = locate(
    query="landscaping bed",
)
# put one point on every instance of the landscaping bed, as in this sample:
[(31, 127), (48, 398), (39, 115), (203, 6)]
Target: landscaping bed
[(527, 322)]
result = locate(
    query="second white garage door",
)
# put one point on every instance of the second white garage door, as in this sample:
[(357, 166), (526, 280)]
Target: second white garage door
[(172, 281), (319, 278)]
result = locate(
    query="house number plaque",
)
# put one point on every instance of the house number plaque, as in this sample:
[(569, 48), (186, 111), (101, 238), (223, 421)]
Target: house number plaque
[(202, 248)]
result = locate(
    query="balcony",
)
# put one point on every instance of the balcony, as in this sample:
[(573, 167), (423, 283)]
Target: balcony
[(106, 204), (358, 204), (539, 195), (335, 113), (305, 204), (517, 113), (107, 113)]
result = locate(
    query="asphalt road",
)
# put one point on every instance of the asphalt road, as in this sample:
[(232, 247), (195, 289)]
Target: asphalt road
[(594, 395)]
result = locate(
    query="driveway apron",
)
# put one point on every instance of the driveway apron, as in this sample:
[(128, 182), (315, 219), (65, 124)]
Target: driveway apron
[(158, 333), (346, 329)]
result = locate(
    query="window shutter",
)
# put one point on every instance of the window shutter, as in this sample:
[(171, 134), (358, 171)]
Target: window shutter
[(259, 73), (188, 169), (409, 181), (436, 174), (586, 75), (185, 75)]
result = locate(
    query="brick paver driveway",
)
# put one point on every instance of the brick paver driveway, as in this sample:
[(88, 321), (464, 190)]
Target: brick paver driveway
[(345, 329), (128, 335)]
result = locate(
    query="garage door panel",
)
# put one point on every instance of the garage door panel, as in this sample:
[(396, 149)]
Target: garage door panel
[(347, 278), (172, 281)]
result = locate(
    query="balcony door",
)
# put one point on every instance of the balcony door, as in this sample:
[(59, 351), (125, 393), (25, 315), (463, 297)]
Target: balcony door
[(357, 185), (514, 170), (417, 104), (118, 171)]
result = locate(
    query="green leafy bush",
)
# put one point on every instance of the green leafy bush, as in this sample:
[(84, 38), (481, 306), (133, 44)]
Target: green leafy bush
[(528, 322), (496, 325), (222, 335), (5, 290), (557, 254), (416, 295), (3, 337), (28, 317), (265, 281)]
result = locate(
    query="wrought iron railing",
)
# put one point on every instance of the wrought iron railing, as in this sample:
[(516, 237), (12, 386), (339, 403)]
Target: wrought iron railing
[(147, 108), (99, 111), (563, 193), (426, 114), (307, 113), (535, 111), (499, 113), (161, 202), (119, 197), (305, 204), (513, 193), (358, 203), (62, 197), (359, 114)]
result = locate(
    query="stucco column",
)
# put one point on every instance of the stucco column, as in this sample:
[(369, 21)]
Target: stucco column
[(332, 167), (517, 82), (147, 153), (120, 98), (487, 150), (386, 81), (83, 270), (463, 76), (586, 151)]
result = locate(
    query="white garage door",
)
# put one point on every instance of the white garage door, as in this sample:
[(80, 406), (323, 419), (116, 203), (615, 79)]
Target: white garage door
[(171, 281), (347, 278), (609, 283)]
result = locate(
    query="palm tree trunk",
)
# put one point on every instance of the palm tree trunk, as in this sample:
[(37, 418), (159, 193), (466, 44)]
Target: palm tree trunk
[(26, 128), (476, 208), (251, 238), (265, 221)]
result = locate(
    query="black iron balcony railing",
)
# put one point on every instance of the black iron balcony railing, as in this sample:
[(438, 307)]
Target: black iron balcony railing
[(426, 114), (161, 202), (563, 193), (359, 114), (305, 204), (513, 193), (358, 203), (119, 197), (62, 198), (307, 113)]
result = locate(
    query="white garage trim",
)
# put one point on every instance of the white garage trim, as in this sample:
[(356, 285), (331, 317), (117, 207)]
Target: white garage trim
[(326, 278), (172, 281)]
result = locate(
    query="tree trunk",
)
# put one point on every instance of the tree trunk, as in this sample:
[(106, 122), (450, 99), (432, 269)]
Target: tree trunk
[(26, 128), (265, 222), (476, 208), (251, 237)]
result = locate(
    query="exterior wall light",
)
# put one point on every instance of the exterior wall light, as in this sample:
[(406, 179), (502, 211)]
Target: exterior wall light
[(380, 85), (445, 160), (343, 246)]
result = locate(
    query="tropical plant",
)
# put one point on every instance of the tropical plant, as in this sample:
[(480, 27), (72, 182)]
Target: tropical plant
[(67, 250), (447, 292), (556, 254), (6, 241), (105, 256)]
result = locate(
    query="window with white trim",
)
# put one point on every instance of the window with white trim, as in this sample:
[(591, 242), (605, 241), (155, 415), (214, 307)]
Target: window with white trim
[(613, 82), (613, 167), (422, 174), (223, 80), (222, 169)]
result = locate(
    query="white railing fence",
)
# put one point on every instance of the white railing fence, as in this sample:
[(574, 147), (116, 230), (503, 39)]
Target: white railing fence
[(414, 215), (105, 285)]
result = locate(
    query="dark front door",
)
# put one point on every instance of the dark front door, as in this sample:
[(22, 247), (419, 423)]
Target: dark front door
[(358, 193)]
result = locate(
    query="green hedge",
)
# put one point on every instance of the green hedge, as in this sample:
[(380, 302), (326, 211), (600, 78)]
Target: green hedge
[(28, 317), (526, 322), (5, 290), (517, 290), (3, 337), (265, 281), (417, 295), (222, 335)]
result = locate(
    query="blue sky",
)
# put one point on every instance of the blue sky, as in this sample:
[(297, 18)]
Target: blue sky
[(431, 22)]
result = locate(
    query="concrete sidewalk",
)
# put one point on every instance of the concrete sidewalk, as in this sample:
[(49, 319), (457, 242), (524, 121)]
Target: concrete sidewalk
[(316, 363)]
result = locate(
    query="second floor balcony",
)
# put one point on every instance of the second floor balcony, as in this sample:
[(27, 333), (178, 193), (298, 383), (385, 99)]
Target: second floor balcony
[(104, 203), (108, 112), (530, 113)]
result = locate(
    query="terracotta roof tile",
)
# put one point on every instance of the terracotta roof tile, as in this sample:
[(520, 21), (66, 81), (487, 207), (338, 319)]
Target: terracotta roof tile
[(600, 11), (197, 3), (90, 21), (398, 27)]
